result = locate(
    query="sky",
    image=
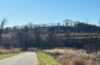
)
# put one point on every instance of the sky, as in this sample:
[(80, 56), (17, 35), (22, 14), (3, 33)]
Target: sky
[(20, 12)]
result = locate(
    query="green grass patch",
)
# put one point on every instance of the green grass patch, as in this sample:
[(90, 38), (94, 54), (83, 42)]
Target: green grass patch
[(46, 59), (5, 55)]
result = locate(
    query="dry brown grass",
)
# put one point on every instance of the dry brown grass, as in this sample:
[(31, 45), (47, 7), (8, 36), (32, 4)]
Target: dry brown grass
[(5, 51), (75, 57), (71, 59)]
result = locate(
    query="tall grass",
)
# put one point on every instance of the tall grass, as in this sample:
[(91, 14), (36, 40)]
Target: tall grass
[(75, 57)]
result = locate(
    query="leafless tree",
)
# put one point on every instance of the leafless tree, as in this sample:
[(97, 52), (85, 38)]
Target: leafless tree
[(2, 24)]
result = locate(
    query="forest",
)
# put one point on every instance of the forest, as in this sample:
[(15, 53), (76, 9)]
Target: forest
[(75, 34)]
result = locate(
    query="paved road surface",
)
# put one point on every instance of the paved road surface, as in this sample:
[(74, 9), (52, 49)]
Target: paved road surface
[(27, 58)]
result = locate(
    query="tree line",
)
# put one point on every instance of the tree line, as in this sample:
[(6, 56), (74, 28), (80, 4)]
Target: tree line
[(50, 36)]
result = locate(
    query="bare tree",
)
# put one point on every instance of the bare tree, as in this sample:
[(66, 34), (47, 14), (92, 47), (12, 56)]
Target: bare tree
[(1, 28), (37, 37), (22, 36), (98, 22), (68, 22), (86, 20)]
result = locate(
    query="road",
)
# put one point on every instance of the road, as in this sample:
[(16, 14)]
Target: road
[(27, 58)]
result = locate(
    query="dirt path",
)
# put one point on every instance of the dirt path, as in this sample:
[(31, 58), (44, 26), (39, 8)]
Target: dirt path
[(27, 58)]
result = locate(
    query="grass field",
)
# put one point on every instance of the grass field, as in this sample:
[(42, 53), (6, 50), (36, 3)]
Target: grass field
[(46, 59)]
